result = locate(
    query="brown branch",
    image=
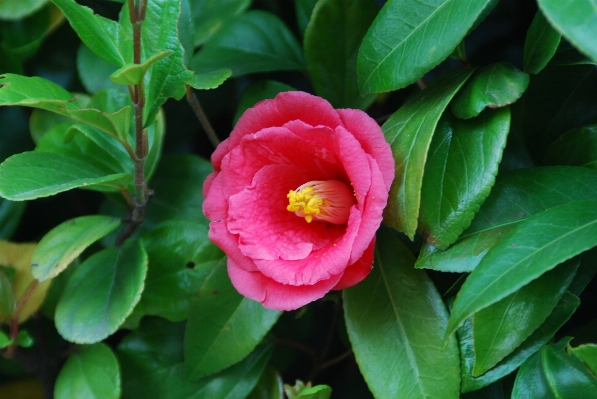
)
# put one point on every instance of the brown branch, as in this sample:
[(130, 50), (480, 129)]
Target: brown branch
[(196, 106)]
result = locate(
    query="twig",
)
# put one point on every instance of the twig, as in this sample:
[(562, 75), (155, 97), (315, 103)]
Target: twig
[(14, 318), (196, 106), (335, 360), (297, 345)]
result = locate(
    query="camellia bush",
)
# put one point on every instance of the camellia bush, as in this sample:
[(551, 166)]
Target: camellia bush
[(298, 199)]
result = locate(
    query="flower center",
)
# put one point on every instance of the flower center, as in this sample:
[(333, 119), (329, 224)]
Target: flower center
[(323, 200)]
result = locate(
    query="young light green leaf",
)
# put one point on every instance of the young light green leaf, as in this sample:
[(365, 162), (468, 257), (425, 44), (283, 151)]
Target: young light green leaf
[(38, 174), (132, 74), (332, 57), (101, 293), (210, 16), (588, 354), (92, 372), (255, 41), (494, 86), (497, 329), (451, 194), (400, 352), (258, 91), (316, 392), (65, 242), (576, 20), (223, 326), (533, 190), (561, 313), (409, 37), (100, 34), (532, 248), (577, 147), (210, 80), (540, 44), (409, 131), (553, 373), (152, 366)]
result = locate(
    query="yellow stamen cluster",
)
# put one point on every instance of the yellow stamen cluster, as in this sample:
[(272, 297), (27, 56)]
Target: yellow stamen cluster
[(322, 200), (305, 201)]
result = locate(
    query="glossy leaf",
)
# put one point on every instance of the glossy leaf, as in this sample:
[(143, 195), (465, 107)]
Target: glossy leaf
[(8, 300), (152, 365), (577, 147), (255, 41), (588, 354), (553, 373), (258, 91), (494, 86), (100, 34), (500, 328), (16, 9), (18, 258), (576, 20), (532, 190), (460, 170), (400, 352), (41, 120), (180, 258), (177, 187), (332, 57), (586, 271), (408, 38), (540, 45), (210, 16), (223, 326), (558, 99), (90, 373), (38, 174), (101, 293), (269, 386), (561, 313), (94, 71), (210, 80), (303, 9), (532, 248), (409, 131), (59, 247)]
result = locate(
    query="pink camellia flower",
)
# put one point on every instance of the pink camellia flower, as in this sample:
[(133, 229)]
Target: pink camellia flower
[(296, 197)]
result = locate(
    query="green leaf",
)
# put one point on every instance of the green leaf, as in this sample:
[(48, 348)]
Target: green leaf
[(94, 71), (90, 373), (553, 373), (17, 9), (540, 44), (409, 131), (5, 340), (588, 354), (8, 301), (177, 185), (10, 216), (304, 10), (561, 313), (577, 147), (532, 248), (558, 99), (101, 293), (461, 167), (210, 16), (132, 74), (316, 392), (38, 174), (493, 86), (586, 272), (532, 190), (497, 329), (100, 34), (408, 38), (59, 247), (332, 56), (210, 80), (180, 258), (41, 120), (566, 54), (400, 352), (152, 365), (269, 386), (576, 20), (223, 326), (255, 41), (24, 339), (258, 91)]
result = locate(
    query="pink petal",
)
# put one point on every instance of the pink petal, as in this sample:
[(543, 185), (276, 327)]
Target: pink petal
[(371, 137), (215, 204), (274, 295), (357, 272), (267, 230), (228, 242)]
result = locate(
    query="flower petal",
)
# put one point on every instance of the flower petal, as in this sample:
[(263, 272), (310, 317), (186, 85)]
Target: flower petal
[(274, 295), (357, 272)]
